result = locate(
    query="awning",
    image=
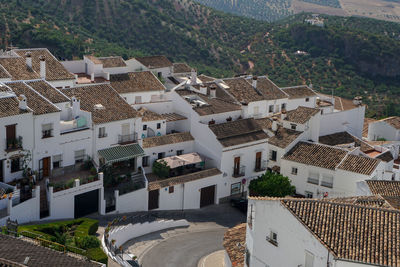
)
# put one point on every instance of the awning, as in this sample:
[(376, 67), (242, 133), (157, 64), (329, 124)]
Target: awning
[(121, 153), (182, 160)]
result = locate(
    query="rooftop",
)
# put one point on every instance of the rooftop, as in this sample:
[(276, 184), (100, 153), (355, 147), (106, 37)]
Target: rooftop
[(17, 68), (299, 92), (384, 188), (386, 156), (155, 62), (9, 107), (238, 132), (235, 244), (134, 82), (48, 91), (167, 139), (344, 138), (204, 78), (269, 90), (284, 137), (301, 114), (169, 117), (108, 62), (242, 91), (359, 164), (182, 68), (105, 104), (148, 115), (393, 121)]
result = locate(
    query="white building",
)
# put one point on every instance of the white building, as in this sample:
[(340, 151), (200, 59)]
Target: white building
[(387, 129), (159, 65)]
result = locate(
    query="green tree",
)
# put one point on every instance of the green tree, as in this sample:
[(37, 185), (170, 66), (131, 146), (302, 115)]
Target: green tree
[(272, 185), (161, 169)]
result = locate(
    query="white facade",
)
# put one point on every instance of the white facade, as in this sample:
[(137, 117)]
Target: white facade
[(381, 129)]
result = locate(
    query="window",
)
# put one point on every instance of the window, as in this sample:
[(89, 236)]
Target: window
[(307, 99), (138, 99), (47, 130), (171, 189), (313, 178), (273, 238), (293, 126), (179, 152), (161, 155), (16, 165), (235, 188), (144, 127), (309, 259), (57, 161), (309, 194), (145, 161), (271, 108), (79, 156), (294, 171), (327, 180), (159, 74), (102, 132), (272, 155), (283, 106), (158, 125)]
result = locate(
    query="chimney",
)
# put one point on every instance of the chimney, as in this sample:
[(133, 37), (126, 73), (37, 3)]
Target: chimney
[(203, 89), (283, 114), (76, 107), (42, 67), (310, 86), (274, 127), (213, 91), (92, 77), (357, 100), (22, 102), (28, 58), (255, 82), (193, 77)]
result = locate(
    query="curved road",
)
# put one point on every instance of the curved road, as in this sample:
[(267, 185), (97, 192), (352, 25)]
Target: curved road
[(184, 250)]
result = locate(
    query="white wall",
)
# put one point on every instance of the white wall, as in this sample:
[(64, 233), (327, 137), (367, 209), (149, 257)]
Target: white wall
[(351, 121), (74, 66), (381, 129), (74, 141), (296, 102), (133, 201)]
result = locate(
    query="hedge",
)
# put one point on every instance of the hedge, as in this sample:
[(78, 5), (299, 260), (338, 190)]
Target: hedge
[(97, 254)]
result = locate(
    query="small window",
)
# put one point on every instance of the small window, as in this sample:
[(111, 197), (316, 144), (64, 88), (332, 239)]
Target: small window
[(294, 171), (144, 127), (273, 238), (47, 130), (145, 161), (57, 161), (272, 155), (138, 99), (158, 125), (308, 194), (16, 165), (283, 106), (159, 74), (102, 132), (171, 189), (161, 155), (271, 109), (235, 188), (307, 99), (79, 156), (293, 126), (179, 152)]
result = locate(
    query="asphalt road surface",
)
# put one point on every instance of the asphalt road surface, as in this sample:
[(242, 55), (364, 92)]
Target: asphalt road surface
[(184, 250)]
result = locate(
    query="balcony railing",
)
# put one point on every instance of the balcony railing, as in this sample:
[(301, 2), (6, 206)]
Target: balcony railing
[(312, 181), (128, 138), (327, 184), (260, 167), (239, 172), (13, 143)]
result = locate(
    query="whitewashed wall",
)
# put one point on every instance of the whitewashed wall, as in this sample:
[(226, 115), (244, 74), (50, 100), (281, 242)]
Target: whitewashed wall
[(381, 129), (351, 121), (133, 201)]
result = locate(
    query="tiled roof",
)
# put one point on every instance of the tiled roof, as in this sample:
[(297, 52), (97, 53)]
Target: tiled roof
[(301, 114), (9, 107), (173, 117), (155, 62), (133, 82), (36, 102), (268, 89), (367, 121), (18, 250), (299, 92), (344, 104), (316, 155), (359, 164), (265, 123), (284, 137), (242, 91), (167, 139), (235, 244), (366, 201), (343, 138), (204, 78), (386, 157), (351, 232), (17, 68), (153, 185), (114, 107), (108, 62), (182, 68), (54, 69), (48, 91), (148, 115), (3, 73), (384, 188), (393, 121), (238, 132)]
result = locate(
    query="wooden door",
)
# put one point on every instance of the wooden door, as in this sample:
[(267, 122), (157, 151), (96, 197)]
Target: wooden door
[(236, 166), (11, 132), (153, 199), (258, 160), (207, 196), (46, 167)]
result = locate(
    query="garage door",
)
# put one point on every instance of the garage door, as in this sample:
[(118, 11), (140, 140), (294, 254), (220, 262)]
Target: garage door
[(207, 196), (86, 203)]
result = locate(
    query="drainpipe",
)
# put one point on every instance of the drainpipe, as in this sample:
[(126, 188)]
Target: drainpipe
[(183, 197)]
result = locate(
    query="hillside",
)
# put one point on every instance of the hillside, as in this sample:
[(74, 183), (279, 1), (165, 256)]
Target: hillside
[(350, 56)]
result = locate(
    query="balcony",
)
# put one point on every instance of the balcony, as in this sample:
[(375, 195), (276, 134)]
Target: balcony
[(126, 139), (260, 166), (13, 144), (312, 181), (239, 172)]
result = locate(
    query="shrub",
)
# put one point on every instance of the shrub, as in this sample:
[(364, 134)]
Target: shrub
[(97, 254), (87, 242), (272, 185), (161, 169)]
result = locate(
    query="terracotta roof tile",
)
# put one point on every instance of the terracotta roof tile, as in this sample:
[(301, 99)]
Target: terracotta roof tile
[(204, 78), (359, 164), (108, 62), (301, 114), (148, 115), (284, 137), (344, 104), (235, 244), (351, 232), (343, 138), (316, 155), (35, 101), (242, 91), (384, 188), (17, 68), (114, 107), (366, 201), (238, 132), (299, 92), (269, 90), (167, 139), (3, 73), (182, 68), (153, 185), (134, 82), (173, 117), (54, 69), (386, 157), (155, 62), (48, 91), (9, 107)]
